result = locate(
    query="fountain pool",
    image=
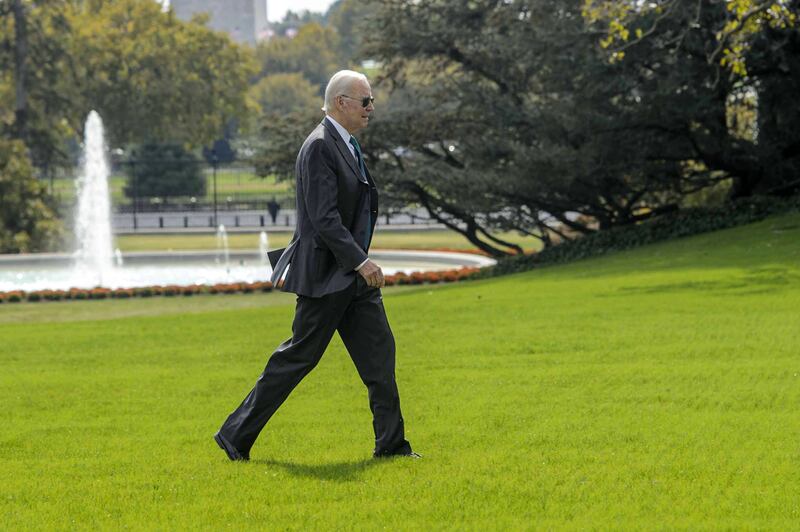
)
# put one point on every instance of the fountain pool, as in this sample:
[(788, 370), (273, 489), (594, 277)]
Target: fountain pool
[(95, 262)]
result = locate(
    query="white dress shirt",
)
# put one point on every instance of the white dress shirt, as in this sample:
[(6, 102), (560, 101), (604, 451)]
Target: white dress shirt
[(346, 138)]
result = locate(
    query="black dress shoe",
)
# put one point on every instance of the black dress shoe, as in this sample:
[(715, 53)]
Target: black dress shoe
[(232, 452), (409, 454)]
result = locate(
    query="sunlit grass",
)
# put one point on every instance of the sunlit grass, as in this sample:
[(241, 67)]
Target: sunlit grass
[(652, 389), (238, 184), (384, 239)]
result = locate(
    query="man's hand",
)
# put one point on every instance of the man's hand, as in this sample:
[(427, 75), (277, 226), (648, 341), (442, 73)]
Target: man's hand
[(372, 274)]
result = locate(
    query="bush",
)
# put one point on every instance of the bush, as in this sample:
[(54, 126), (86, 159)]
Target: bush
[(191, 290), (164, 170), (99, 293), (171, 290), (28, 218), (416, 278), (15, 296), (78, 293), (122, 293)]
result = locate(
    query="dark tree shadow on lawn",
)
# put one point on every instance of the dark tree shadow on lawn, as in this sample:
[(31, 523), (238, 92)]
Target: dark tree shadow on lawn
[(754, 281), (338, 471)]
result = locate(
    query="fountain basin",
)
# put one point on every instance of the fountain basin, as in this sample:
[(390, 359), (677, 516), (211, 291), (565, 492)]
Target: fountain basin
[(58, 271)]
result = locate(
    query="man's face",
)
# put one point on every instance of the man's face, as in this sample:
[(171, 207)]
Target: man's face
[(354, 115)]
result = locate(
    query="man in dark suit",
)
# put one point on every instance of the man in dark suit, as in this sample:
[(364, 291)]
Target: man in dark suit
[(337, 285)]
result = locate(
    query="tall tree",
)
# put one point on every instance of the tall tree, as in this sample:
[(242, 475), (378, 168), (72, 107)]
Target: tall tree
[(312, 53), (154, 77), (34, 77)]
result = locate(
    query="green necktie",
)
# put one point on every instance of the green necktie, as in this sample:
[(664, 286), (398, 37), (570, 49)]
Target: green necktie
[(357, 149)]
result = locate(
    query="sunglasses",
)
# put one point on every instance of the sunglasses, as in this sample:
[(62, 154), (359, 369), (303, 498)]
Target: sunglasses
[(365, 101)]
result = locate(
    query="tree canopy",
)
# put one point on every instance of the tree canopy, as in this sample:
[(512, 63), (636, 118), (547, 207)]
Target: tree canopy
[(510, 116)]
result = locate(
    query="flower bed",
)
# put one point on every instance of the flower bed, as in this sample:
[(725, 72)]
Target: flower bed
[(17, 296)]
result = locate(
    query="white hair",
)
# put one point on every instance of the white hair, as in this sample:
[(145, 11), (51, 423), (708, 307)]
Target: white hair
[(339, 85)]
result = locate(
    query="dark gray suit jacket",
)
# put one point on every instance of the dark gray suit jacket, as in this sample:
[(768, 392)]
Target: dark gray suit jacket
[(336, 206)]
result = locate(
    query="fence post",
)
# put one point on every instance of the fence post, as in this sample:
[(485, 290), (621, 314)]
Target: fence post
[(186, 221), (214, 167), (135, 194)]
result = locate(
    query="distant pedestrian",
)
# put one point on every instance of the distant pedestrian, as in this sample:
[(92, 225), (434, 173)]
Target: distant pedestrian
[(273, 207)]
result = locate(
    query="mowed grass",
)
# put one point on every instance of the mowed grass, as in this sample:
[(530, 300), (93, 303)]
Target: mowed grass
[(383, 239), (652, 389), (237, 183)]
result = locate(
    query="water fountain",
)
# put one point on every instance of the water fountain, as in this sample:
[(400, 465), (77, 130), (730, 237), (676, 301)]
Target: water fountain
[(95, 261), (223, 251), (263, 247), (94, 256)]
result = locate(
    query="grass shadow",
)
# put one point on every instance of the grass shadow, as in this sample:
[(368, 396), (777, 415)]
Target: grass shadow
[(337, 471), (754, 281)]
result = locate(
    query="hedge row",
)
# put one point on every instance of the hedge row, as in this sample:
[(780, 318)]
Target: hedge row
[(666, 227), (17, 296)]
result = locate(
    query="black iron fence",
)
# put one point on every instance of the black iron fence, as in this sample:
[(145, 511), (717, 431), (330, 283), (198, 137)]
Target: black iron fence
[(233, 195)]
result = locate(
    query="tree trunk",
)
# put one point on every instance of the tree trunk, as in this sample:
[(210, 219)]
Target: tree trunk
[(20, 129)]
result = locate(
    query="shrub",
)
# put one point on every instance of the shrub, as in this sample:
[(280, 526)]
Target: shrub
[(230, 288), (432, 277), (164, 170), (28, 219), (416, 278), (99, 293), (34, 296), (144, 291), (78, 293), (15, 296), (171, 290), (55, 295), (190, 290), (123, 293), (262, 286), (449, 276)]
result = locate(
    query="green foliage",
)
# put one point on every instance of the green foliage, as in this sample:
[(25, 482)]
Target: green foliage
[(349, 18), (312, 53), (280, 140), (28, 222), (38, 105), (152, 76), (164, 170), (745, 22), (279, 94), (509, 116)]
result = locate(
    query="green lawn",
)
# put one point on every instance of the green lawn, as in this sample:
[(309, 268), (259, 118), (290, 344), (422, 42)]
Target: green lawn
[(425, 239), (652, 389), (236, 183)]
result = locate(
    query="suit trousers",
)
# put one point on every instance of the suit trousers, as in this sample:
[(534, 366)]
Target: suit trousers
[(357, 313)]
